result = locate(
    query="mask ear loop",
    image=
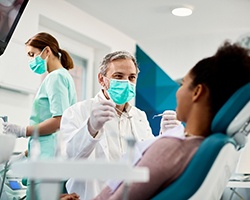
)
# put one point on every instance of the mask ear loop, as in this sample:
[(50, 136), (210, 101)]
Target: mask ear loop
[(104, 87), (42, 53), (45, 58)]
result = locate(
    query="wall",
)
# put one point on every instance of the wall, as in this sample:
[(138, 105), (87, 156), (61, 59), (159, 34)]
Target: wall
[(183, 51)]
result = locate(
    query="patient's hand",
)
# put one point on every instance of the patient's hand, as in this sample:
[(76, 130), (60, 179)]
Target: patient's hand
[(72, 196)]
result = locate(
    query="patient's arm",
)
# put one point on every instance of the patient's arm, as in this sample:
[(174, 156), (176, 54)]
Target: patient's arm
[(166, 159)]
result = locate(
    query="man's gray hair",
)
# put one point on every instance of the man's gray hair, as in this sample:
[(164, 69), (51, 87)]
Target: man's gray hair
[(117, 55)]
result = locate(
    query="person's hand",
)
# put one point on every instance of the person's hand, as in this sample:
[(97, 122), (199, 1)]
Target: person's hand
[(168, 121), (101, 113), (14, 129), (72, 196)]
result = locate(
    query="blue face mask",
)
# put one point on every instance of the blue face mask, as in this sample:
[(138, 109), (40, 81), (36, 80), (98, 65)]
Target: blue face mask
[(38, 65), (121, 91)]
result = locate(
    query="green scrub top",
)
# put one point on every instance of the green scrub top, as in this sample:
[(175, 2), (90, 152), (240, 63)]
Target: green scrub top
[(56, 93)]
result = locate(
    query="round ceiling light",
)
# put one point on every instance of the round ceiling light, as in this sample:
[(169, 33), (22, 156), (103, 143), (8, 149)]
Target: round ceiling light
[(182, 11)]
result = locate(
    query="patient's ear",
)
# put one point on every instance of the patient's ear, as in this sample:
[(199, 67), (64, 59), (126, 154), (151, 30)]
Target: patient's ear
[(199, 90)]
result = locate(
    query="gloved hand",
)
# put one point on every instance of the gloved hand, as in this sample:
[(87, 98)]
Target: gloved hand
[(168, 121), (14, 129), (101, 113)]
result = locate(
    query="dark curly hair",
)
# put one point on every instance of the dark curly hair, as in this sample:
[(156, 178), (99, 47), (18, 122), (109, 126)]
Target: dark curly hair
[(223, 73)]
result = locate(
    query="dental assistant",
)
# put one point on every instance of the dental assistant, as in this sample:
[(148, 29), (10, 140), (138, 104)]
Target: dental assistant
[(97, 128), (56, 93)]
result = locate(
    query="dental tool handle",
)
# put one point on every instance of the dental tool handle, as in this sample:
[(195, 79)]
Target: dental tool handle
[(159, 115), (5, 118), (131, 141), (35, 145)]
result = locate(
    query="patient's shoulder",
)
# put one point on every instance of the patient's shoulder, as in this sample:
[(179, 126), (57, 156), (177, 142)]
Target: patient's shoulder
[(176, 143), (174, 149)]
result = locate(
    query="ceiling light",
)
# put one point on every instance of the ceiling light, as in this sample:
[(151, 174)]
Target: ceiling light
[(182, 11)]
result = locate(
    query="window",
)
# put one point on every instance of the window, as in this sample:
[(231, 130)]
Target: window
[(79, 73)]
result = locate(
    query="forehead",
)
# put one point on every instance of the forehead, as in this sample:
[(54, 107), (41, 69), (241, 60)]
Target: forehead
[(32, 49), (125, 66), (187, 79)]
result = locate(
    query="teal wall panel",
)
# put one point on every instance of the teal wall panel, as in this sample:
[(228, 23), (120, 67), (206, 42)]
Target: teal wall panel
[(155, 90)]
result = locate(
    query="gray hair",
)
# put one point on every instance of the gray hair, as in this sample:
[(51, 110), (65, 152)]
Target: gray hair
[(117, 55)]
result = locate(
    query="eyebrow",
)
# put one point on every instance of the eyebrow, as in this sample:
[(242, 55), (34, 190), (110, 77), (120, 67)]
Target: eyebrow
[(121, 73), (118, 73)]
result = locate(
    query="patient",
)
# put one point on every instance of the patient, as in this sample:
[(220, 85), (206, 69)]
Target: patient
[(205, 88)]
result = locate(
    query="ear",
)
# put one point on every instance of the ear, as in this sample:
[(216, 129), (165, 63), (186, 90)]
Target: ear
[(101, 80), (47, 51), (198, 91)]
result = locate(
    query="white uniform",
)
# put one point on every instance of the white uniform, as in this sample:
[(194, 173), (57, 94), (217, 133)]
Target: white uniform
[(109, 144)]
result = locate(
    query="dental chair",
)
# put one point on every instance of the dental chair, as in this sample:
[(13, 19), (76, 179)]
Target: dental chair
[(210, 169)]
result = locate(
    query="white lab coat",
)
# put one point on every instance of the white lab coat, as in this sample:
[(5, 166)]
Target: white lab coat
[(81, 145)]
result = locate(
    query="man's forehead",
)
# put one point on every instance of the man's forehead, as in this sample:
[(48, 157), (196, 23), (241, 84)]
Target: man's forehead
[(121, 68)]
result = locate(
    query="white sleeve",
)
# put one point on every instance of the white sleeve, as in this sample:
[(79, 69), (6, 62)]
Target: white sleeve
[(76, 137)]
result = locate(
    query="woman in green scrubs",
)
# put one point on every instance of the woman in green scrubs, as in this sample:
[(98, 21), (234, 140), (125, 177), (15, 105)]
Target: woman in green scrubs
[(56, 93)]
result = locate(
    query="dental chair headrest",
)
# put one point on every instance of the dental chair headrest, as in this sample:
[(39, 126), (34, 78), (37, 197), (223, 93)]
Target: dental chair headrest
[(234, 115)]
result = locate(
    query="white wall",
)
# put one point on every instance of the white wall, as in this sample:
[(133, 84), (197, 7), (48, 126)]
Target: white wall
[(182, 52)]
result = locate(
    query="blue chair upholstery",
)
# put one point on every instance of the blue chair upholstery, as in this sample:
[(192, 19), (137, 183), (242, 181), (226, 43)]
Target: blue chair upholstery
[(215, 147)]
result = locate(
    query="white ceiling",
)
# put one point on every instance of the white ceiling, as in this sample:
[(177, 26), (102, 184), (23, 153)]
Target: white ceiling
[(145, 20), (150, 22)]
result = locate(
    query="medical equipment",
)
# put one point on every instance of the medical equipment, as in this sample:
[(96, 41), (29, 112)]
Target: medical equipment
[(159, 115), (131, 141), (98, 169), (35, 149), (11, 186), (209, 171), (7, 31), (123, 113), (80, 169), (5, 118), (130, 151), (7, 143), (5, 152), (171, 114)]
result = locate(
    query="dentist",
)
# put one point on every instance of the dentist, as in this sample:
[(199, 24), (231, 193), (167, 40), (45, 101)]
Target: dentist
[(97, 128)]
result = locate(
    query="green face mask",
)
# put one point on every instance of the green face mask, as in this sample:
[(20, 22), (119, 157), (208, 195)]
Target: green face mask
[(121, 91), (38, 65)]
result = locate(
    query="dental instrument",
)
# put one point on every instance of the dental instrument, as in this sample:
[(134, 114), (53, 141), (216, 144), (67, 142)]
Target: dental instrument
[(158, 115)]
